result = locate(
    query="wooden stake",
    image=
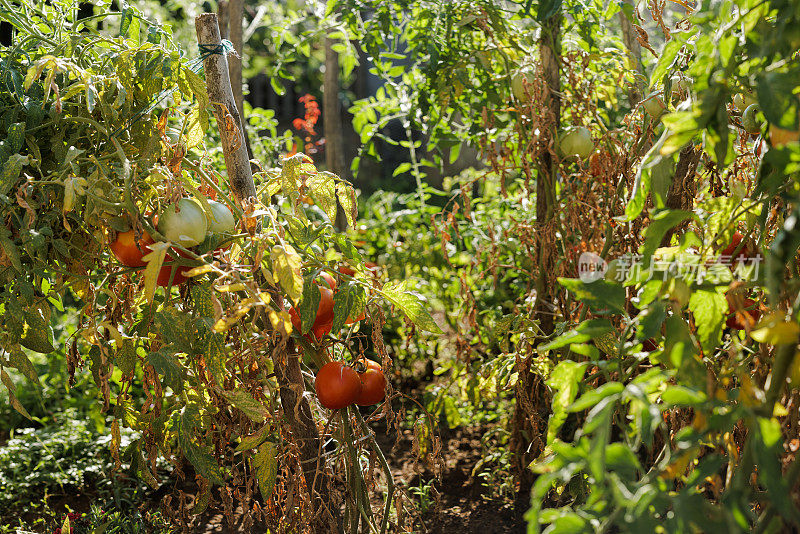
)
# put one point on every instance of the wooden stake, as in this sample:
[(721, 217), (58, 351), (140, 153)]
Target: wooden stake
[(296, 407), (230, 123)]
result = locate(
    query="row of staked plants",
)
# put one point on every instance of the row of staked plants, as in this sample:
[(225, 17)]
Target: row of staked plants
[(662, 398), (115, 204)]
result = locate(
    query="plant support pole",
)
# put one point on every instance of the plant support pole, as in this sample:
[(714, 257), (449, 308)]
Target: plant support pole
[(222, 99), (287, 363)]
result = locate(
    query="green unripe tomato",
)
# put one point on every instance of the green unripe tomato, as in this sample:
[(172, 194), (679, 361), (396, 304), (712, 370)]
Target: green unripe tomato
[(184, 223), (742, 101), (654, 105), (221, 220), (750, 121), (518, 83), (576, 142)]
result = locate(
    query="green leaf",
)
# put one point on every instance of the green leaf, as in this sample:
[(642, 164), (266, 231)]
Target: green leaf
[(38, 335), (650, 320), (255, 439), (20, 361), (767, 442), (12, 394), (349, 301), (547, 9), (642, 182), (411, 305), (11, 170), (168, 366), (565, 380), (661, 176), (586, 331), (666, 58), (569, 523), (592, 398), (599, 295), (777, 98), (242, 400), (309, 306), (178, 330), (216, 357), (683, 396), (16, 136), (126, 358), (662, 221), (709, 308), (620, 459), (265, 464), (10, 249), (202, 460), (346, 247)]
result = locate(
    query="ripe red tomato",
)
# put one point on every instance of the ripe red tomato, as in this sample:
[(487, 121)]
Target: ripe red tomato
[(328, 279), (347, 270), (373, 384), (128, 251), (734, 322), (337, 385), (166, 271), (744, 251), (323, 322)]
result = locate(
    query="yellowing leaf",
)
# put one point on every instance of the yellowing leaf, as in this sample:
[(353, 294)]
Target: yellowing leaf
[(155, 260), (323, 191), (224, 324), (228, 288), (199, 270), (775, 331), (347, 198), (678, 467), (265, 464), (281, 321), (112, 330), (286, 264)]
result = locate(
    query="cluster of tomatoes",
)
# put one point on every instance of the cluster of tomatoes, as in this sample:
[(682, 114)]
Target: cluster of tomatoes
[(184, 223), (323, 321), (339, 386)]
